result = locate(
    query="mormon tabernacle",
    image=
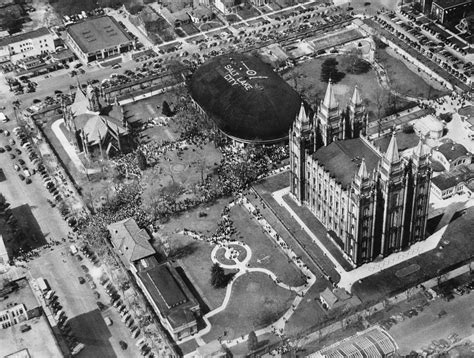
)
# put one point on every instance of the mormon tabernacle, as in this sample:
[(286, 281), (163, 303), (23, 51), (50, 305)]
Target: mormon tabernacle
[(245, 98)]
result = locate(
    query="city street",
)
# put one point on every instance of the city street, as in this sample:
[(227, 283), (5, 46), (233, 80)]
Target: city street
[(87, 323), (418, 332)]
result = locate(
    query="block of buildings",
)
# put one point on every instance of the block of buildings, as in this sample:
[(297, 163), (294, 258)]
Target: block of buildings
[(29, 44), (161, 283), (372, 202), (97, 38), (25, 331)]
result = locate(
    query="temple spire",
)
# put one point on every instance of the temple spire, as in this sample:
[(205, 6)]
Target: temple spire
[(302, 119), (363, 174), (392, 151), (356, 99), (329, 99)]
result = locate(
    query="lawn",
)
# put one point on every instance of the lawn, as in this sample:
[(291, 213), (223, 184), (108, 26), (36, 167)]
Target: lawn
[(195, 256), (247, 12), (190, 29), (402, 79), (305, 78), (265, 253), (256, 302)]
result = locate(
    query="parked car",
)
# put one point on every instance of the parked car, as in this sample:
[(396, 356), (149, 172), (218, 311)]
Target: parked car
[(81, 280), (8, 148), (22, 177)]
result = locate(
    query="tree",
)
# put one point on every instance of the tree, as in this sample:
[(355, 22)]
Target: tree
[(218, 277), (142, 164), (447, 117), (329, 71), (166, 110), (252, 341)]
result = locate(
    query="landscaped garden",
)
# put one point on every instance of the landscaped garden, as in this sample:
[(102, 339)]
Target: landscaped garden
[(265, 253), (256, 302)]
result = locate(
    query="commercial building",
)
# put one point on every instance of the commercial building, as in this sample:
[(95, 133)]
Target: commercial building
[(450, 10), (29, 44), (162, 285), (372, 202), (24, 329), (98, 38)]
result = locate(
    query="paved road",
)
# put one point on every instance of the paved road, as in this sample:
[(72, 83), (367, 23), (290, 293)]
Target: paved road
[(418, 332), (62, 271)]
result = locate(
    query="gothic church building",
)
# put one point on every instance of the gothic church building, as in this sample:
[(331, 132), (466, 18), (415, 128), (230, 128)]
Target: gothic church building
[(372, 203)]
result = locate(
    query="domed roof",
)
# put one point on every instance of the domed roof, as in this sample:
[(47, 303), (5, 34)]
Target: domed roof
[(245, 98)]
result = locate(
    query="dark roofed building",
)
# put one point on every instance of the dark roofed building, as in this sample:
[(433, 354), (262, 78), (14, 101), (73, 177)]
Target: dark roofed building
[(450, 10), (170, 297), (97, 38), (405, 141), (458, 181), (451, 155), (245, 98), (131, 242)]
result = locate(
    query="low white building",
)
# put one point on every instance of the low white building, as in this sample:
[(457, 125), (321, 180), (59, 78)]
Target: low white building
[(18, 47), (429, 127)]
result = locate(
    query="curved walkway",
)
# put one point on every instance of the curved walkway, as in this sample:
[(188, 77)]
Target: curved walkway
[(242, 267)]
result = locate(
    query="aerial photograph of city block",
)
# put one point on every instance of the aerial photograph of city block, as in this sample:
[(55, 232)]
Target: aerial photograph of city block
[(236, 178)]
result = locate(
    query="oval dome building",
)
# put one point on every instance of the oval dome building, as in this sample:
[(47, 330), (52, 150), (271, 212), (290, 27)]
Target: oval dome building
[(245, 98)]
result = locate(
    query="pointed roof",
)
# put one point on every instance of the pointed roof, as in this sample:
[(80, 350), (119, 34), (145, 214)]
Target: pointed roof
[(329, 99), (302, 119), (363, 170), (356, 99), (132, 242), (391, 155), (419, 150), (80, 104)]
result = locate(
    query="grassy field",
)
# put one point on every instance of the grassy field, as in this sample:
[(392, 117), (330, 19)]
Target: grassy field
[(313, 89), (402, 79), (255, 303), (195, 256), (265, 253)]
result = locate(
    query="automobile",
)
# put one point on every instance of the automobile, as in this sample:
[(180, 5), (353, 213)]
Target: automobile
[(17, 151), (21, 176), (101, 306), (6, 133), (12, 156), (123, 345), (81, 280), (21, 161), (85, 268), (116, 66), (2, 150), (96, 295), (89, 277), (8, 148), (16, 167), (12, 141)]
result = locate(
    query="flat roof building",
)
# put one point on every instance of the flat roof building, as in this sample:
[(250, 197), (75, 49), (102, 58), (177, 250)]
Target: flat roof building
[(27, 44), (98, 38), (24, 329)]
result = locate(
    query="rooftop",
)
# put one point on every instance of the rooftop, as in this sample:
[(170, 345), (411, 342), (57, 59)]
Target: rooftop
[(132, 242), (39, 339), (404, 141), (451, 150), (462, 174), (169, 292), (373, 342), (42, 31), (450, 3), (342, 159), (98, 33), (245, 98)]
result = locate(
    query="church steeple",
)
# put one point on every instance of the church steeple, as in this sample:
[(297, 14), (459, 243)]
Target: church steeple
[(356, 99), (302, 122), (329, 99), (391, 155)]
